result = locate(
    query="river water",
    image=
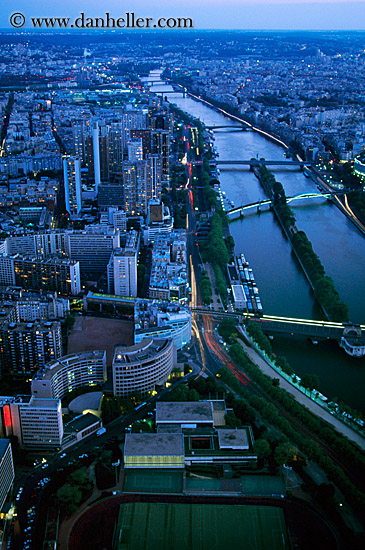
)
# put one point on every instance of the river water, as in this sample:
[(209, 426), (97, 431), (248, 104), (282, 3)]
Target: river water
[(283, 287)]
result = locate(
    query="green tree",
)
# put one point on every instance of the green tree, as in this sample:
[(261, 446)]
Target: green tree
[(310, 382), (232, 421), (68, 499), (262, 448), (80, 478), (284, 453)]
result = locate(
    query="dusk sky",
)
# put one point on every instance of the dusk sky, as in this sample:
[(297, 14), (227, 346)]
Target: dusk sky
[(209, 14)]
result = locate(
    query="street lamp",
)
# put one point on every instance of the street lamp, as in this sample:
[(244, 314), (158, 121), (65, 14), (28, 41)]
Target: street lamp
[(116, 464)]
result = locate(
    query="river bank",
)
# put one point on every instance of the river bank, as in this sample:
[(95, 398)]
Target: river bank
[(284, 290)]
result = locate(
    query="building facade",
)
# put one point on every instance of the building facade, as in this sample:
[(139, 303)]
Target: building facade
[(68, 373), (38, 423), (143, 366), (72, 182), (55, 274), (7, 473), (25, 347)]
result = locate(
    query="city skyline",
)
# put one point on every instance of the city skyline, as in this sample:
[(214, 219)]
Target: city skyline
[(182, 246), (236, 14)]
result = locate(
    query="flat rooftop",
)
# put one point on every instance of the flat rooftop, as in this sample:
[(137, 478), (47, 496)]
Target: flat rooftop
[(44, 403), (189, 412), (148, 348), (154, 445), (233, 439), (52, 367), (238, 293), (169, 429), (81, 422)]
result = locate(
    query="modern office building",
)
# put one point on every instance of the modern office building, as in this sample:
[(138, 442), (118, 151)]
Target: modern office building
[(145, 135), (72, 181), (130, 186), (7, 271), (122, 268), (133, 119), (135, 149), (26, 347), (79, 139), (134, 186), (92, 248), (7, 473), (119, 220), (154, 177), (96, 155), (160, 145), (143, 366), (111, 195), (37, 423), (122, 273), (37, 244), (115, 150), (68, 373)]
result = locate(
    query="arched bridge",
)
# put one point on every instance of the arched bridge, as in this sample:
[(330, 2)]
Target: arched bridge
[(259, 204)]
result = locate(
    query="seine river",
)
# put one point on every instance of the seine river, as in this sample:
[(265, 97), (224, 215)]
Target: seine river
[(283, 287)]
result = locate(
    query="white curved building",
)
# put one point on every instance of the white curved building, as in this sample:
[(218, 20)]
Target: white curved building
[(142, 366), (68, 373)]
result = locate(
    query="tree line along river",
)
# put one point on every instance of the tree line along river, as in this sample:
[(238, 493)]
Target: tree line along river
[(283, 288)]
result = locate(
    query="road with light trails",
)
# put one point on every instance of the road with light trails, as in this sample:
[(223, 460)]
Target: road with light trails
[(213, 356)]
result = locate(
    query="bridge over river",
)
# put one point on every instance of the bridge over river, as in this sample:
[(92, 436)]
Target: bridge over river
[(261, 162), (351, 337), (241, 210)]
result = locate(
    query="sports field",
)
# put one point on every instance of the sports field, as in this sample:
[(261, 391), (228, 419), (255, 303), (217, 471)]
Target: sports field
[(155, 526), (151, 481), (262, 485), (196, 484)]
